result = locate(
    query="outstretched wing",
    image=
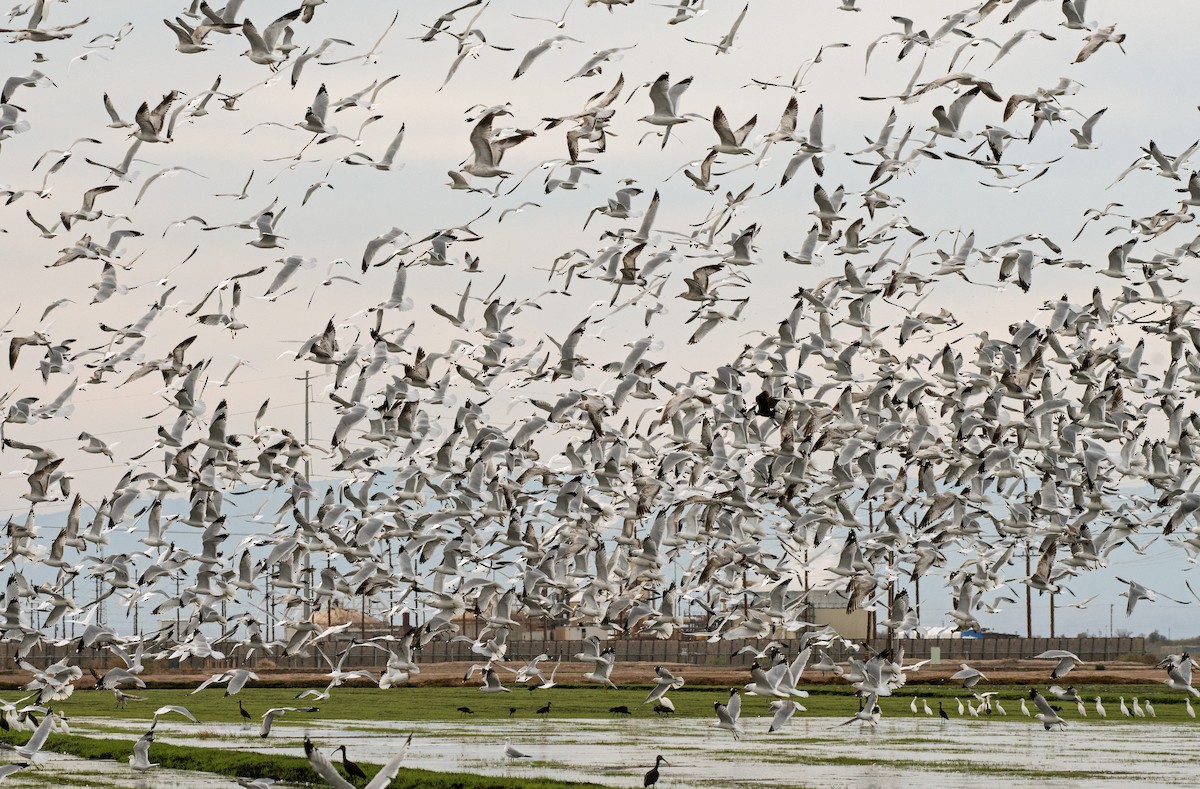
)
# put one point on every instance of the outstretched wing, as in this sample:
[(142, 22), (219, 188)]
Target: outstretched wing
[(324, 768), (385, 775)]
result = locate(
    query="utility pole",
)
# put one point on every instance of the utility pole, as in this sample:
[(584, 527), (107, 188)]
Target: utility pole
[(1052, 614), (1110, 621), (811, 608), (269, 606), (1028, 597), (307, 482)]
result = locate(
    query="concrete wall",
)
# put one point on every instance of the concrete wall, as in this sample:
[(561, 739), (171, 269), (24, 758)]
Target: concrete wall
[(696, 652)]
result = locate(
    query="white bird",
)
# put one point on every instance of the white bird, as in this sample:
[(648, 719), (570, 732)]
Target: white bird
[(488, 152), (1069, 694), (601, 674), (172, 708), (870, 712), (263, 46), (386, 161), (1066, 661), (728, 140), (1046, 713), (511, 751), (140, 758), (665, 98), (10, 769), (539, 50), (970, 678), (1083, 136), (29, 751), (728, 714), (726, 43), (664, 681), (324, 768), (1100, 709), (268, 717), (784, 710), (149, 122), (1179, 674), (491, 682), (1137, 592)]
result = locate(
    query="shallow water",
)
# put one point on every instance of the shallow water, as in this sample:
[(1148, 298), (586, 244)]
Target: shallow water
[(61, 770), (900, 752)]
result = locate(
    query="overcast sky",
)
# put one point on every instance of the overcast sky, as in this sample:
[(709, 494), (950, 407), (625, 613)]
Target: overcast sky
[(333, 209)]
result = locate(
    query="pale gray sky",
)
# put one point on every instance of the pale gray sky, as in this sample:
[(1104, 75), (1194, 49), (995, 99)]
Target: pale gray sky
[(1145, 90)]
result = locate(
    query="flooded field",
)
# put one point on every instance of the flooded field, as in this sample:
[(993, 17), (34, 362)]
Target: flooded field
[(58, 770), (813, 752)]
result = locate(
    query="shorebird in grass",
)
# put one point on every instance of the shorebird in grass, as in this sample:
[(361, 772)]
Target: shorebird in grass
[(651, 778), (350, 767)]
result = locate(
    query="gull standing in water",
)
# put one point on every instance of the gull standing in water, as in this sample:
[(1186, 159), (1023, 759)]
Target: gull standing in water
[(511, 752)]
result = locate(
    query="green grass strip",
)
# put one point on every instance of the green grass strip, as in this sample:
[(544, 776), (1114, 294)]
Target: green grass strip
[(292, 769)]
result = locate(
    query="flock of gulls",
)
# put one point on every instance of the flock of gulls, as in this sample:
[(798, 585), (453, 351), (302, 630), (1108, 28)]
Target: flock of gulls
[(632, 360)]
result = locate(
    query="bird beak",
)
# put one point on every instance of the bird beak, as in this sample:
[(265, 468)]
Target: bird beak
[(666, 763)]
